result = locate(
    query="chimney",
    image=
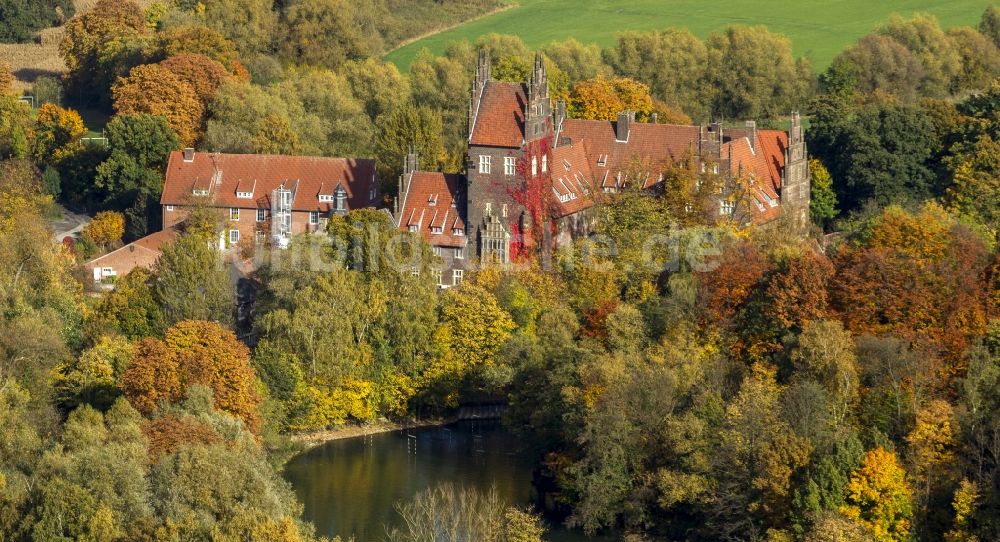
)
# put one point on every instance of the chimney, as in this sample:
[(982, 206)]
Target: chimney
[(653, 117), (188, 154), (752, 134), (410, 162), (624, 125)]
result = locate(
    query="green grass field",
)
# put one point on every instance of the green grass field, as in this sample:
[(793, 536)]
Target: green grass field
[(819, 29)]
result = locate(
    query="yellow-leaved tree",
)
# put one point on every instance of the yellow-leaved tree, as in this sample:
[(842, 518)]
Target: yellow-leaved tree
[(105, 229), (57, 130), (602, 99), (879, 497)]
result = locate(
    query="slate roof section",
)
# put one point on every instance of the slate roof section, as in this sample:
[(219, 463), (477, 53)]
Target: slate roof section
[(223, 175), (434, 205), (500, 119)]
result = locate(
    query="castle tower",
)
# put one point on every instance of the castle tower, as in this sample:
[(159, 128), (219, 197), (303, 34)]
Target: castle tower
[(538, 113), (483, 74), (796, 182)]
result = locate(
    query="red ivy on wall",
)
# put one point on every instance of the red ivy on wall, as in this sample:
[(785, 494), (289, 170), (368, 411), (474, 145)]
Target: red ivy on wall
[(534, 193)]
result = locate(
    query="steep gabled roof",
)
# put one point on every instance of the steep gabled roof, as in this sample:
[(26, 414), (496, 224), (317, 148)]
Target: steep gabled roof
[(434, 206), (761, 164), (572, 179), (223, 175), (500, 119)]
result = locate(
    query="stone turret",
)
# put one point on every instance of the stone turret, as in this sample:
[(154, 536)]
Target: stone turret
[(795, 180), (483, 74), (538, 113)]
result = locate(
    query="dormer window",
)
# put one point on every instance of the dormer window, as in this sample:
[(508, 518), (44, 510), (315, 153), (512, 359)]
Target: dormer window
[(244, 195), (566, 164), (432, 200), (602, 160), (457, 231), (199, 192), (436, 229), (413, 228), (326, 198)]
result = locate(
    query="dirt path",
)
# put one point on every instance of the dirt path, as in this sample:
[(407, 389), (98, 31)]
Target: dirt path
[(414, 39), (315, 438)]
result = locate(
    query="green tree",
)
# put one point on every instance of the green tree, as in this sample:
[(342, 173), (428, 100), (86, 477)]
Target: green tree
[(323, 33), (755, 73), (407, 129), (191, 283), (823, 200), (674, 63), (378, 85), (23, 19), (249, 24), (577, 60)]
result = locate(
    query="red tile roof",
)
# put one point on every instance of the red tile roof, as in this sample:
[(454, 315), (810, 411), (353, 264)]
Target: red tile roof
[(139, 253), (572, 179), (648, 143), (762, 165), (433, 205), (261, 174), (500, 119)]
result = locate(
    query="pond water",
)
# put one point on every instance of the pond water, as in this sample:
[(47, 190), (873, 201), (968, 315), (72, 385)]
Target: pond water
[(349, 487)]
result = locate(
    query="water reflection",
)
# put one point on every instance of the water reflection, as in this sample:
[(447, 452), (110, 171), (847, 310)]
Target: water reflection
[(349, 487)]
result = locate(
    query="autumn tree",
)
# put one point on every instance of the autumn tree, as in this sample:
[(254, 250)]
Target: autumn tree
[(106, 228), (323, 33), (577, 60), (193, 352), (879, 497), (155, 90), (876, 63), (198, 40), (603, 99), (101, 45), (249, 24), (407, 129), (203, 74), (6, 78), (378, 85), (57, 130)]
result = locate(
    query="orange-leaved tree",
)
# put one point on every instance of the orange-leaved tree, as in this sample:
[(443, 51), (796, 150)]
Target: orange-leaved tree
[(194, 352), (602, 99), (203, 74), (156, 90)]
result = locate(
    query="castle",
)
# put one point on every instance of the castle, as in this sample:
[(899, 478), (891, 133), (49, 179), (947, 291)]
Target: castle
[(533, 175)]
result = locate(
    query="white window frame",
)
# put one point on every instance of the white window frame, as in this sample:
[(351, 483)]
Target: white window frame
[(413, 228), (438, 251), (244, 195), (326, 198), (726, 207), (170, 207), (313, 218), (234, 237), (484, 163), (438, 276), (460, 253), (456, 277), (261, 214), (508, 165), (534, 166), (234, 214), (545, 163)]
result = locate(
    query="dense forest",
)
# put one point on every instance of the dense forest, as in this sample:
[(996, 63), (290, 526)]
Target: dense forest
[(746, 385)]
